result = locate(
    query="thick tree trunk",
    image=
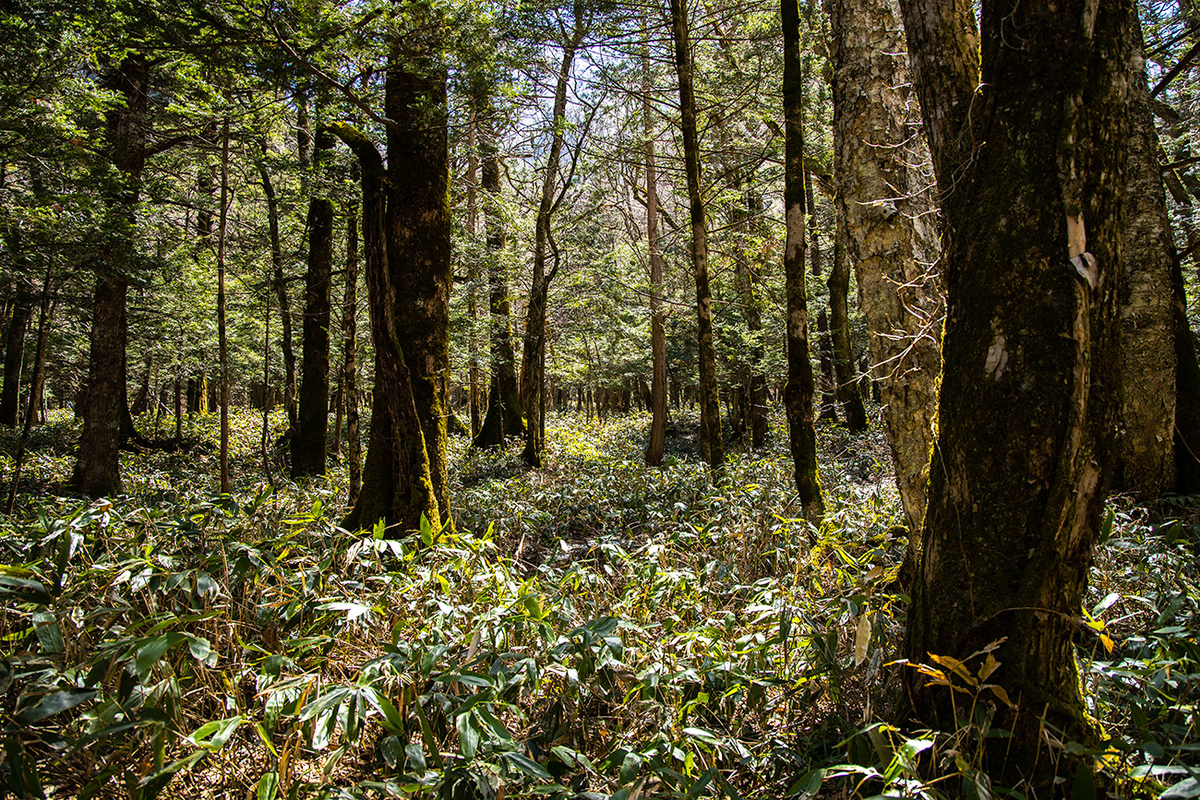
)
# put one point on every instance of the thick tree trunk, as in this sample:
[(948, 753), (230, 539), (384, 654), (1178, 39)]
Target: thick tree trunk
[(799, 391), (418, 233), (281, 293), (308, 440), (505, 414), (533, 355), (847, 388), (1030, 387), (712, 447), (350, 356), (658, 336), (97, 471), (887, 213), (396, 483), (1146, 444), (14, 358)]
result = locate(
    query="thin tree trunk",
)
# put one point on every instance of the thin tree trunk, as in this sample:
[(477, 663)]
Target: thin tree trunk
[(534, 353), (350, 356), (473, 275), (505, 413), (14, 355), (268, 394), (658, 336), (847, 389), (281, 293), (222, 337), (712, 447), (31, 407), (799, 392)]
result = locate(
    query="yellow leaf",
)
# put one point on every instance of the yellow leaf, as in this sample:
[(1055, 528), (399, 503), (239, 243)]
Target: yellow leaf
[(958, 667), (989, 666), (1003, 695), (937, 674), (1108, 643), (862, 639)]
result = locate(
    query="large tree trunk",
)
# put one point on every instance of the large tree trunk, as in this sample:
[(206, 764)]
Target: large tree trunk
[(887, 215), (418, 233), (1030, 387), (712, 447), (97, 471), (1146, 444), (308, 440), (397, 487), (658, 336), (533, 355), (799, 392), (505, 414)]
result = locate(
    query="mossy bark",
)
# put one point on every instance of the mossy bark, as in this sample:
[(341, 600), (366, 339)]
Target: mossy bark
[(397, 486), (799, 390), (418, 231), (1031, 182), (658, 337), (847, 387)]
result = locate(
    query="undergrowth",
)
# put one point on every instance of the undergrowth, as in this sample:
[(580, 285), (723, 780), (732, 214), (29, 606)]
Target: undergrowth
[(594, 629)]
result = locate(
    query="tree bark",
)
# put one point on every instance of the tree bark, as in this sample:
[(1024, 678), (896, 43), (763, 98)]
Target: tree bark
[(533, 355), (397, 487), (1031, 183), (476, 406), (281, 293), (1145, 458), (505, 414), (712, 447), (658, 336), (97, 471), (799, 391), (418, 232), (222, 337), (887, 214), (308, 440), (846, 386), (350, 356), (14, 356)]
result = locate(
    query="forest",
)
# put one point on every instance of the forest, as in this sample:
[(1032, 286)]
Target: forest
[(599, 399)]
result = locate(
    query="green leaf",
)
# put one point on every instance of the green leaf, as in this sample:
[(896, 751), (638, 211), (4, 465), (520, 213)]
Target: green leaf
[(468, 734), (1184, 790), (267, 786), (53, 703), (1085, 785), (527, 765), (213, 735)]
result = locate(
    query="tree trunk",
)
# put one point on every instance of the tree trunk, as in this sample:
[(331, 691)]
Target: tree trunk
[(1030, 387), (839, 328), (505, 414), (534, 353), (476, 409), (223, 340), (281, 293), (747, 264), (14, 357), (350, 356), (658, 336), (1145, 454), (97, 471), (418, 233), (712, 448), (799, 393), (308, 440), (31, 408), (396, 486), (882, 199)]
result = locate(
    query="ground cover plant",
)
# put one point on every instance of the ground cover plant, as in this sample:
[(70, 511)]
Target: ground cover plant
[(592, 629)]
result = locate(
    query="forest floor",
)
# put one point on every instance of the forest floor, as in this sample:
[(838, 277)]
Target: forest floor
[(592, 629)]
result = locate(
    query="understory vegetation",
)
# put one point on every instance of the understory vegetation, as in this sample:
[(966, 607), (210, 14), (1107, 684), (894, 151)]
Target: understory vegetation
[(594, 629)]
